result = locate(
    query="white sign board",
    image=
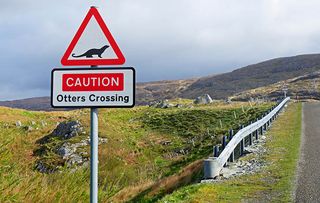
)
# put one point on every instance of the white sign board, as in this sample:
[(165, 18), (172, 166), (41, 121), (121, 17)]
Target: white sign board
[(93, 87)]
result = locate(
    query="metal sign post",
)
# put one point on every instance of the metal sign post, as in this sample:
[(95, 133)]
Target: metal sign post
[(94, 156), (94, 139)]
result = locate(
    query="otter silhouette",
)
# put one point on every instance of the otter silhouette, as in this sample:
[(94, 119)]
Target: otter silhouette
[(91, 52)]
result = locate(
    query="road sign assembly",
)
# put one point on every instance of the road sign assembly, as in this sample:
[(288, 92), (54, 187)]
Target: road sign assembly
[(93, 44), (88, 87)]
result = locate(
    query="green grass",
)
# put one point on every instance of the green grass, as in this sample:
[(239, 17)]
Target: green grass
[(273, 184), (132, 157)]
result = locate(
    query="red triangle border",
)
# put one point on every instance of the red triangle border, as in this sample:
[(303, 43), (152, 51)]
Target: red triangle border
[(93, 12)]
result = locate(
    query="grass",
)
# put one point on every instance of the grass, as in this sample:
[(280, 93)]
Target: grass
[(132, 160), (274, 184)]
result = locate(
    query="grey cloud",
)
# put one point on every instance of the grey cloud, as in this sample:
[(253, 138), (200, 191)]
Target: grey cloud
[(162, 39)]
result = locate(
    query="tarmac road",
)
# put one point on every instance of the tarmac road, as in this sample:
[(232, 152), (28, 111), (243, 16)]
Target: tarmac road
[(308, 176)]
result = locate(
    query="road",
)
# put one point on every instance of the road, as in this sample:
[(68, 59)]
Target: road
[(308, 177)]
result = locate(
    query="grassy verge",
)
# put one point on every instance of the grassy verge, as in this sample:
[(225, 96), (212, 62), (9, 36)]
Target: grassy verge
[(273, 184), (133, 159)]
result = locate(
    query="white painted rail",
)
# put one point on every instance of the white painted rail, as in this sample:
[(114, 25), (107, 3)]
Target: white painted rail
[(213, 165)]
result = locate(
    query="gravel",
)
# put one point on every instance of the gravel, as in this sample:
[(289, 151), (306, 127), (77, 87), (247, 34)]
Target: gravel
[(245, 165)]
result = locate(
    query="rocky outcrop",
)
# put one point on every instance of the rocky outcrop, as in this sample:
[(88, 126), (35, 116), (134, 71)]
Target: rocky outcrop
[(67, 130), (163, 104), (59, 150)]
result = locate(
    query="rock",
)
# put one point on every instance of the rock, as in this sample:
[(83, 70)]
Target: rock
[(43, 168), (103, 140), (100, 140), (163, 104), (228, 101), (43, 123), (29, 128), (171, 155), (74, 159), (68, 130), (66, 150), (165, 143), (18, 124), (205, 99)]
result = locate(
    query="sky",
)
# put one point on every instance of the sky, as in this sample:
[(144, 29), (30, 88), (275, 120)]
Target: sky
[(163, 40)]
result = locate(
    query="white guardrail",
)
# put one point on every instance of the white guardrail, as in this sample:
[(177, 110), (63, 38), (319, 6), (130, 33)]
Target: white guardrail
[(213, 165)]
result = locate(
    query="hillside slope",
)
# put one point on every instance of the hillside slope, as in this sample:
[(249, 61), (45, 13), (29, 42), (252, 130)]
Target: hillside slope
[(167, 89), (35, 104), (302, 87), (253, 76)]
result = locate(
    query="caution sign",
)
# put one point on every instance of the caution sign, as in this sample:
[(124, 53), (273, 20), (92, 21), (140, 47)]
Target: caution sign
[(93, 87), (93, 44)]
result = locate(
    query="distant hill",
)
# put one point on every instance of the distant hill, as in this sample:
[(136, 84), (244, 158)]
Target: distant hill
[(302, 87), (218, 86), (36, 104), (167, 89), (254, 76)]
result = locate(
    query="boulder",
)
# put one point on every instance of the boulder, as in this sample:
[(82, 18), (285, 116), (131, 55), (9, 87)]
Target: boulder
[(204, 99), (43, 123), (18, 124)]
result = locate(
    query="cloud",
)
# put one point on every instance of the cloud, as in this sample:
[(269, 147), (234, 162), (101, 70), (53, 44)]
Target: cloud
[(161, 39)]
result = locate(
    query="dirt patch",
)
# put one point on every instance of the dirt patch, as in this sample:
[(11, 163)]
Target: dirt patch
[(160, 188)]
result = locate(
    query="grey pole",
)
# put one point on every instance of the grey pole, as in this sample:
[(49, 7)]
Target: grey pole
[(94, 155)]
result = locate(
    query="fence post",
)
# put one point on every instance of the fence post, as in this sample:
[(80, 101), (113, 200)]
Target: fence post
[(257, 131), (224, 141), (216, 151), (242, 147), (231, 158), (230, 134), (251, 136)]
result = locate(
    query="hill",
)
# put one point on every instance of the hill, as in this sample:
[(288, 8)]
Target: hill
[(218, 86), (302, 87), (35, 104), (167, 89), (253, 76)]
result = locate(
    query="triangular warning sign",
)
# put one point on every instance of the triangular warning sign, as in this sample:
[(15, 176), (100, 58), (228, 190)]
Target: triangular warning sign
[(93, 44)]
